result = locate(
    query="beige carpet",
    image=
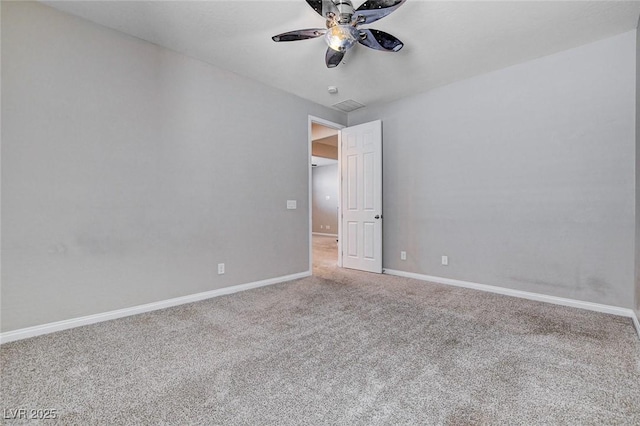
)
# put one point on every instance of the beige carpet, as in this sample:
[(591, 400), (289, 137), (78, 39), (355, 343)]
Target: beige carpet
[(342, 347)]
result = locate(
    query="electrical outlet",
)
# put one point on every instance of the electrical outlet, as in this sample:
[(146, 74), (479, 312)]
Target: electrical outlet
[(445, 260), (321, 226), (403, 255), (220, 268), (328, 226)]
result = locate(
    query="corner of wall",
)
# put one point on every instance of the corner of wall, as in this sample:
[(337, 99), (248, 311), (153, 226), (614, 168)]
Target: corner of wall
[(637, 172), (637, 176)]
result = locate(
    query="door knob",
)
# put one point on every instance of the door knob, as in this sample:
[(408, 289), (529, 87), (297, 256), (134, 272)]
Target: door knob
[(377, 216)]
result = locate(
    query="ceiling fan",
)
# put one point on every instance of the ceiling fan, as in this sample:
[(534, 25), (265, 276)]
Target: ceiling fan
[(343, 29)]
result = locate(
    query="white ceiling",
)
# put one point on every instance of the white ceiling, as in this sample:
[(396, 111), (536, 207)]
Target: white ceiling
[(444, 41)]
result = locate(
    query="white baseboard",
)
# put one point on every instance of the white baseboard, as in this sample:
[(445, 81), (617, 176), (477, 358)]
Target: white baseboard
[(325, 235), (607, 309), (38, 330), (636, 322)]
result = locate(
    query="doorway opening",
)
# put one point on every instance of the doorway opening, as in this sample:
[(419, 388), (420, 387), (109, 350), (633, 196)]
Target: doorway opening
[(324, 191)]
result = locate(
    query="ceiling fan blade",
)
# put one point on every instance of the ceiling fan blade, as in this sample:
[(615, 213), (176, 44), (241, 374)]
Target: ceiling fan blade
[(333, 57), (300, 34), (372, 10), (379, 40), (323, 7)]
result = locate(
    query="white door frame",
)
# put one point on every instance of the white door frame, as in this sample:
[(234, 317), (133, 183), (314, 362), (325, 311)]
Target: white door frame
[(337, 126)]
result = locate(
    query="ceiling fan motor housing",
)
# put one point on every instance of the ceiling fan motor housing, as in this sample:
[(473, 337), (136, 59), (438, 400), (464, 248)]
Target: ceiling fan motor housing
[(345, 9)]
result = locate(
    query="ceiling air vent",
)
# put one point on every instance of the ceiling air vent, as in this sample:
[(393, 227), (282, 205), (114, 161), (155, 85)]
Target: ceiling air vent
[(348, 105)]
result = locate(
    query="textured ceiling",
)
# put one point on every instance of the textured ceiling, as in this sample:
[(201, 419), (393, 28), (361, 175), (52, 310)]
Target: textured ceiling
[(444, 41)]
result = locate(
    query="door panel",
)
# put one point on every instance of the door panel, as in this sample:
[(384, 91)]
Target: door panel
[(352, 182), (352, 239), (369, 187), (362, 196)]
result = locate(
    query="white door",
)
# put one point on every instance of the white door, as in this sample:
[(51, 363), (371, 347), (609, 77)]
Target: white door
[(361, 189)]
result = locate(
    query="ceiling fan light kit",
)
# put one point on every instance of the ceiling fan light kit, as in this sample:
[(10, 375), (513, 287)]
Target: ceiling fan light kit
[(343, 31), (341, 37)]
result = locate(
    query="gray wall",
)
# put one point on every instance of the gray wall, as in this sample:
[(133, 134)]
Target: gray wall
[(325, 212), (524, 177), (638, 171), (129, 172)]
